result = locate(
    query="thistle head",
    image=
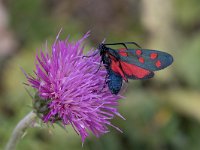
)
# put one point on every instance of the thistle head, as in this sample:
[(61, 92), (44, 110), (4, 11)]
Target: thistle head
[(69, 89)]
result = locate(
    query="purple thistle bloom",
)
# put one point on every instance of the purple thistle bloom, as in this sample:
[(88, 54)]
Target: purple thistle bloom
[(71, 89)]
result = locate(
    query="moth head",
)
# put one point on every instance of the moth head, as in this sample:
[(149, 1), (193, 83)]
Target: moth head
[(102, 48)]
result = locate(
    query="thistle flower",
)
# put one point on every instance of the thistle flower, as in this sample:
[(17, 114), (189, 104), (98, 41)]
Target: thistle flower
[(69, 89)]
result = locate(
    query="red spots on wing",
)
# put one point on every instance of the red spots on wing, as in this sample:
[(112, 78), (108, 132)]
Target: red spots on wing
[(153, 55), (122, 49), (115, 66), (125, 69), (135, 71), (122, 52), (141, 59), (138, 52), (158, 64)]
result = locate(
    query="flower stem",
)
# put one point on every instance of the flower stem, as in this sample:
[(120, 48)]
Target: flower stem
[(20, 129)]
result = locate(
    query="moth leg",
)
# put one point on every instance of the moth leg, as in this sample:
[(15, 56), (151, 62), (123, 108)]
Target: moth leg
[(105, 83), (98, 69)]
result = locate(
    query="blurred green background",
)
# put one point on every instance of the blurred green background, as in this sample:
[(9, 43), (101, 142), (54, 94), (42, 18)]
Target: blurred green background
[(161, 114)]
